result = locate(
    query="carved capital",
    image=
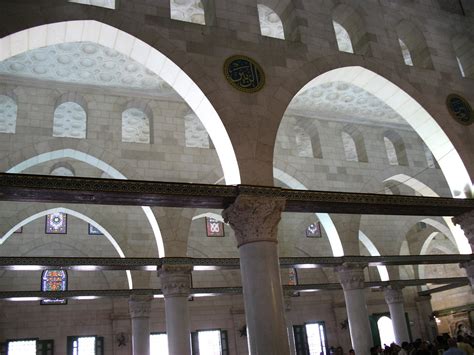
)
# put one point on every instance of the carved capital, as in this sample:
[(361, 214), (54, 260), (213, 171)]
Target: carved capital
[(466, 222), (393, 295), (175, 280), (140, 306), (351, 275), (254, 219)]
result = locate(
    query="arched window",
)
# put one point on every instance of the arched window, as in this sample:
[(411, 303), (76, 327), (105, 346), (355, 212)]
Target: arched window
[(304, 146), (135, 126), (385, 327), (270, 22), (188, 11), (391, 152), (395, 148), (350, 149), (62, 169), (413, 45), (56, 223), (8, 113), (464, 51), (430, 159), (406, 53), (342, 37), (70, 120), (307, 139), (54, 281), (108, 4), (195, 134)]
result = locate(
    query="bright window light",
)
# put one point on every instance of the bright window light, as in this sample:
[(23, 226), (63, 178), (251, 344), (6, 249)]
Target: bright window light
[(316, 338), (22, 347), (85, 346), (210, 342), (158, 344), (385, 326)]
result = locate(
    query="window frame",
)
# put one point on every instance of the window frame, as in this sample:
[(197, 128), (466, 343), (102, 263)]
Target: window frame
[(99, 343), (224, 337)]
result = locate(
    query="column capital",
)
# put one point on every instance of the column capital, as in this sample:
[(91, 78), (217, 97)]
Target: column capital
[(140, 306), (423, 298), (466, 222), (175, 280), (393, 295), (254, 219), (351, 275)]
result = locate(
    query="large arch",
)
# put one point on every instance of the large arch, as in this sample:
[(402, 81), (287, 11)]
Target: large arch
[(409, 109), (143, 53), (460, 239), (106, 168), (76, 214)]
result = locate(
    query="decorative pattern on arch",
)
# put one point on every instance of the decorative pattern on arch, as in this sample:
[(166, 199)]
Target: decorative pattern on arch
[(410, 110), (76, 214), (348, 19), (410, 35), (152, 59), (70, 116)]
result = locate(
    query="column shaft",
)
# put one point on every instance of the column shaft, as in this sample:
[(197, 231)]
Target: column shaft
[(428, 323), (140, 307), (394, 299), (255, 221), (352, 281)]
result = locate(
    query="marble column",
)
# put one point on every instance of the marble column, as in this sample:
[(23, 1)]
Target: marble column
[(425, 312), (255, 222), (140, 307), (394, 299), (175, 285), (351, 276)]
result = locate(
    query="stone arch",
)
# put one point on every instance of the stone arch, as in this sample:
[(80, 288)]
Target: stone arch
[(399, 154), (70, 116), (464, 50), (143, 53), (353, 23), (79, 215), (62, 169), (414, 40), (372, 249), (401, 102), (460, 240), (286, 12), (100, 164)]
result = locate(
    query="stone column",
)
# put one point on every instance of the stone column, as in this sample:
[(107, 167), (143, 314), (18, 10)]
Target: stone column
[(140, 307), (425, 311), (394, 299), (351, 277), (175, 285), (466, 222), (255, 221)]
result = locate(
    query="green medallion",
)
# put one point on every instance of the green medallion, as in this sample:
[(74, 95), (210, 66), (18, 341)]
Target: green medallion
[(244, 74)]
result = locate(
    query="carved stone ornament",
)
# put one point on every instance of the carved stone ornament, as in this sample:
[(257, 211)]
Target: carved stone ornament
[(254, 219), (351, 276), (140, 306), (466, 222), (393, 295), (175, 280)]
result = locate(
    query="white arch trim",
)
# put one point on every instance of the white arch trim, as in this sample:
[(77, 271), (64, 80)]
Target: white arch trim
[(419, 119), (460, 239), (372, 249), (89, 159), (324, 218), (75, 214), (152, 59), (216, 216)]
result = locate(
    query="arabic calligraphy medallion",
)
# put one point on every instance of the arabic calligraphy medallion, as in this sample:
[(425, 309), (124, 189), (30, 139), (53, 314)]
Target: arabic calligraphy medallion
[(460, 109), (244, 74)]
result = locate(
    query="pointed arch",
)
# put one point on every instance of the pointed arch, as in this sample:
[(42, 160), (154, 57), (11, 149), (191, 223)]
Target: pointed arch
[(143, 53), (411, 39), (270, 23), (350, 29), (353, 144), (76, 214), (464, 51), (286, 12), (395, 148)]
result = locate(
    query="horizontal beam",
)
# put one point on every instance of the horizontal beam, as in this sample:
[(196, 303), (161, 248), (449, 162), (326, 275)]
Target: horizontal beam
[(210, 291), (61, 189), (202, 264), (443, 288)]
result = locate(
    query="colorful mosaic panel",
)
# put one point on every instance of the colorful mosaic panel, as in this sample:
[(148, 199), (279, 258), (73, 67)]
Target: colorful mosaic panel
[(56, 223), (54, 281), (214, 228)]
